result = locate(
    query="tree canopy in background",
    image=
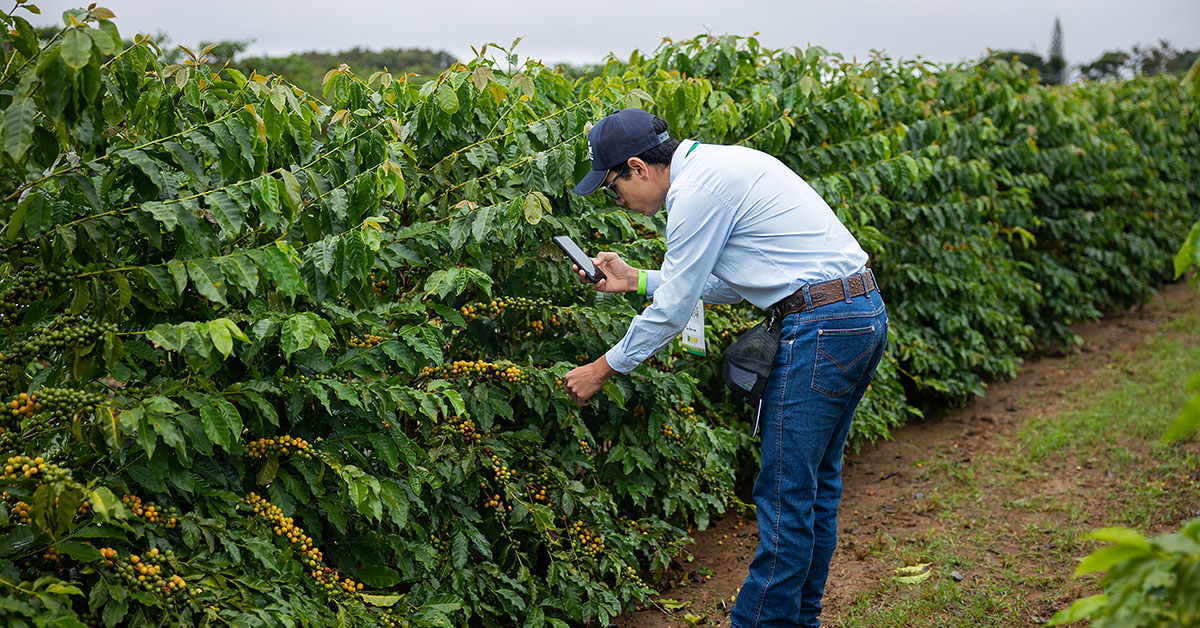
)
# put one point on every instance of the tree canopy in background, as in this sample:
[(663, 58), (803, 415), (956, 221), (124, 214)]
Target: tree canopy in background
[(1112, 64), (306, 69)]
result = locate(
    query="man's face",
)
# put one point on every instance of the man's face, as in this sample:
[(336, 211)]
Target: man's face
[(638, 192)]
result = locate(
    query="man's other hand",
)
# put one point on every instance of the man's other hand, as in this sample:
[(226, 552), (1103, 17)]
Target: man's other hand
[(584, 381), (619, 276)]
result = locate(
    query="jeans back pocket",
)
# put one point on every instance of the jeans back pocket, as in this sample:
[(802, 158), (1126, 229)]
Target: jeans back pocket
[(843, 357)]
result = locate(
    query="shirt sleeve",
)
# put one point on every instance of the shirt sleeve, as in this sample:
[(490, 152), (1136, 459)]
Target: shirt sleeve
[(698, 226), (715, 290)]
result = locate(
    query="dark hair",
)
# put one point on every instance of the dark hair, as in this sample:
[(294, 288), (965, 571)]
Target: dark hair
[(659, 155)]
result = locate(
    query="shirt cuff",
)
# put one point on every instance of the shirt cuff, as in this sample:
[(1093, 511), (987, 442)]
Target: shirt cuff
[(619, 361), (653, 281)]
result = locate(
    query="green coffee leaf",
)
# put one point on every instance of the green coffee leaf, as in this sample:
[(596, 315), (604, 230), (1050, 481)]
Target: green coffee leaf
[(535, 204), (18, 127), (378, 576), (447, 99), (76, 47), (1080, 609), (208, 279), (229, 214)]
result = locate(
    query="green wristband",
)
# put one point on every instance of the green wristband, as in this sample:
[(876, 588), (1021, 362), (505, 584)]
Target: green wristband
[(642, 282)]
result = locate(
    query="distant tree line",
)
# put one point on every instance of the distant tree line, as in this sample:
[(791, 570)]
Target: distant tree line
[(1113, 64), (306, 69)]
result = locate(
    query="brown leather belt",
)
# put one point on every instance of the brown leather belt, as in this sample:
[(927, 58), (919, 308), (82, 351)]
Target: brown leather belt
[(826, 292)]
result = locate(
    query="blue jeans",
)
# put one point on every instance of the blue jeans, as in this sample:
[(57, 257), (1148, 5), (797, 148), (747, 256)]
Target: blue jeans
[(825, 361)]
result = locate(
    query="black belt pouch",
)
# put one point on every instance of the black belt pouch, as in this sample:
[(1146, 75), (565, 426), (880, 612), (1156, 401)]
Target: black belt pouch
[(748, 361)]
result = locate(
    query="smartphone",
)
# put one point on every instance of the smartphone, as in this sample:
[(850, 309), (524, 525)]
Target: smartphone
[(578, 257)]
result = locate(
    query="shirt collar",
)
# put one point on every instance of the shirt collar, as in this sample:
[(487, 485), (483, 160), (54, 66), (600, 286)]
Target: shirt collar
[(681, 157)]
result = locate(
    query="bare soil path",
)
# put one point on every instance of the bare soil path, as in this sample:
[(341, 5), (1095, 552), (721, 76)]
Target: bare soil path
[(887, 488)]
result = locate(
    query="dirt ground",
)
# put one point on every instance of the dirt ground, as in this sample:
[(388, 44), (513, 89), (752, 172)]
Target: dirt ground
[(882, 480)]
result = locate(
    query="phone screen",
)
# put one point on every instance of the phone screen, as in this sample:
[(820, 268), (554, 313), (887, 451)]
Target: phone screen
[(578, 257)]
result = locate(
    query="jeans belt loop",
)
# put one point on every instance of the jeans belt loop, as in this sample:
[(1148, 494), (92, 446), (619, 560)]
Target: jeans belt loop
[(846, 289), (807, 299)]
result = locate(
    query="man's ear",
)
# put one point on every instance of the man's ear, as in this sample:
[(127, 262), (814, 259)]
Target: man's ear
[(638, 167)]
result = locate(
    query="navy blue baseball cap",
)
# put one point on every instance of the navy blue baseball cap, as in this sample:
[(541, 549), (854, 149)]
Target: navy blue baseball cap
[(615, 138)]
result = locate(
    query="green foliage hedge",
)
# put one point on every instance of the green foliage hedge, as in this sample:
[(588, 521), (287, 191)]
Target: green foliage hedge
[(295, 360)]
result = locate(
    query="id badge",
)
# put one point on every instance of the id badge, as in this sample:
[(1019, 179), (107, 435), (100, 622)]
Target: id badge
[(692, 338)]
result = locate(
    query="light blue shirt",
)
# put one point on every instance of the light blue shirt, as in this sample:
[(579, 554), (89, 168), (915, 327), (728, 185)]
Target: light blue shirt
[(740, 226)]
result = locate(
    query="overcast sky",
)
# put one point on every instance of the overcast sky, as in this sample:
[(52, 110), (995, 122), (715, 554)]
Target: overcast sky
[(580, 32)]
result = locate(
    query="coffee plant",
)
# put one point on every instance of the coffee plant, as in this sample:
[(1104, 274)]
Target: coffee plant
[(1150, 582), (316, 342)]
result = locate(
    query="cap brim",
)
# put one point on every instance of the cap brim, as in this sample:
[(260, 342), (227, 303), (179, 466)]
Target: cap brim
[(591, 182)]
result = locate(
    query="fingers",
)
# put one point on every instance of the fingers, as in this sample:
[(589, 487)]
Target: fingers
[(578, 399), (576, 389), (604, 258)]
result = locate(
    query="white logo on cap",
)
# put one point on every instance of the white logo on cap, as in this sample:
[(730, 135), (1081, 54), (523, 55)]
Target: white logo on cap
[(590, 150)]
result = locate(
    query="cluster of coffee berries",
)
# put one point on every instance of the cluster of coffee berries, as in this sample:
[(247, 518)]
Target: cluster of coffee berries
[(497, 503), (440, 546), (25, 287), (503, 473), (585, 446), (332, 581), (24, 467), (63, 403), (151, 512), (583, 538), (478, 369), (51, 555), (304, 379), (637, 527), (64, 331), (148, 572), (281, 447), (670, 432), (11, 375), (464, 427), (9, 439), (497, 306), (392, 620), (540, 494), (23, 407), (20, 512), (286, 527), (632, 575), (366, 341), (688, 413), (378, 286)]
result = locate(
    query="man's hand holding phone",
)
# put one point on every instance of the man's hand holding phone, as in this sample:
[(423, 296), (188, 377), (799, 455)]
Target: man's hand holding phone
[(606, 272), (618, 276)]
